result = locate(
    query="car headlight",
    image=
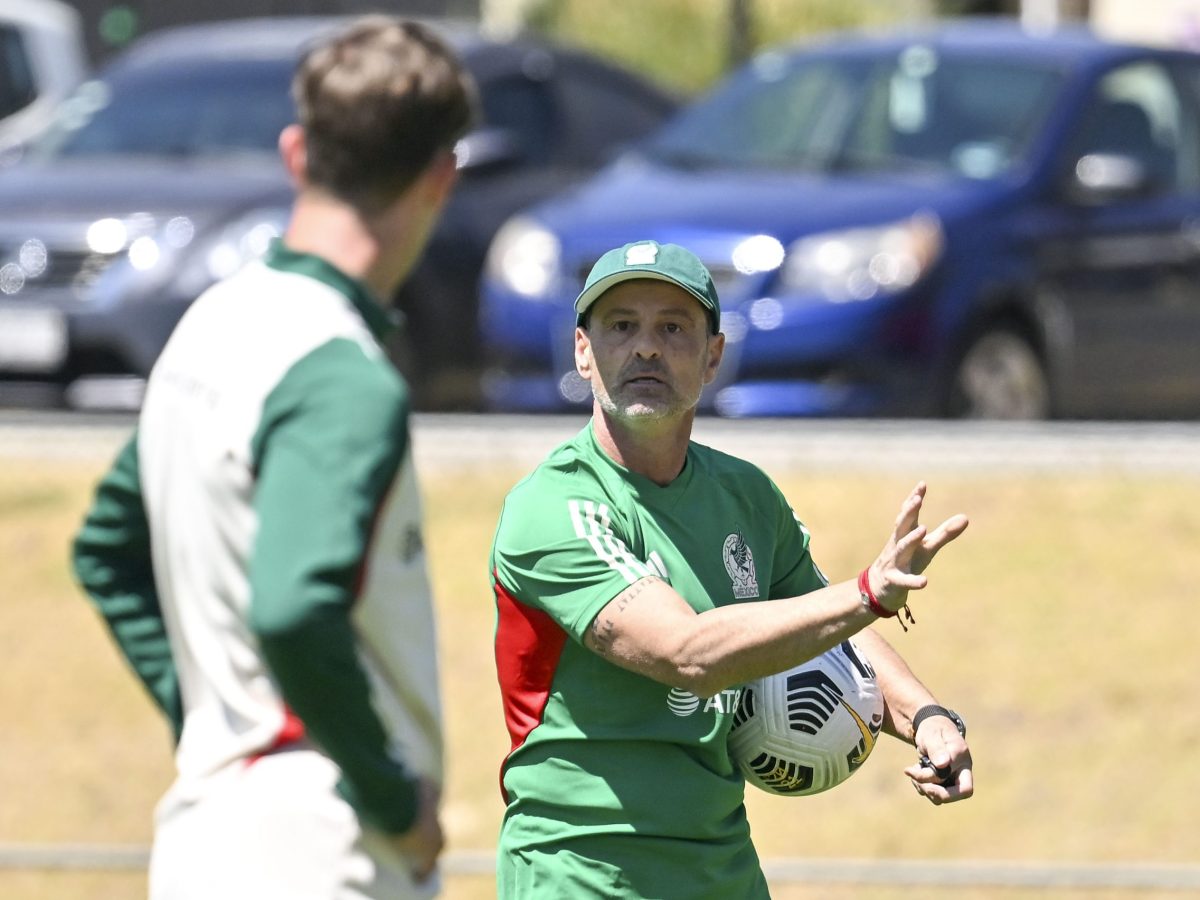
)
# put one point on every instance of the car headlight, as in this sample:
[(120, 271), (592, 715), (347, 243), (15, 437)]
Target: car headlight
[(222, 253), (861, 263), (525, 257)]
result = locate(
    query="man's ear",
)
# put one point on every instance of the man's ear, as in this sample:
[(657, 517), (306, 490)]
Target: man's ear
[(441, 176), (583, 355), (716, 349), (294, 152)]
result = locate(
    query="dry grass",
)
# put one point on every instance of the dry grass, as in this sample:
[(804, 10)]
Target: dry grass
[(1061, 626)]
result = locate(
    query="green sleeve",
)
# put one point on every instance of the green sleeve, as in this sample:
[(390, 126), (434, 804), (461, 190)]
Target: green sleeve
[(799, 573), (334, 433), (554, 551), (111, 559)]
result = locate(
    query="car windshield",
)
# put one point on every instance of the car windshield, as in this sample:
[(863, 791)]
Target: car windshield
[(915, 109), (234, 109)]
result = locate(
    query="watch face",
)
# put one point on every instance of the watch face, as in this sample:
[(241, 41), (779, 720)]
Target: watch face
[(958, 722)]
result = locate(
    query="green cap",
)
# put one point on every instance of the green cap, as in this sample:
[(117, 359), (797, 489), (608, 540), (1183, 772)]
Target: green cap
[(650, 259)]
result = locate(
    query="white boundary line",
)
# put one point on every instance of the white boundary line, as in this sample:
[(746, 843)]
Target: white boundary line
[(973, 873), (984, 873)]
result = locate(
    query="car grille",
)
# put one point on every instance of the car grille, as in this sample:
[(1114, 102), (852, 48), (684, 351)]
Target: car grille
[(54, 268)]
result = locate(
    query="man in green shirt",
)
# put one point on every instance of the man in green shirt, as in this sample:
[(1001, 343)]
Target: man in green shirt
[(256, 549), (641, 579)]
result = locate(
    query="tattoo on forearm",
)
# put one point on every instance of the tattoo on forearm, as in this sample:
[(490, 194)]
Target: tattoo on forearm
[(603, 631)]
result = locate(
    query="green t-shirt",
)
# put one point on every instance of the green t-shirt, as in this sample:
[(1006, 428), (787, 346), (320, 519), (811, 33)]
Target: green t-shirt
[(618, 785)]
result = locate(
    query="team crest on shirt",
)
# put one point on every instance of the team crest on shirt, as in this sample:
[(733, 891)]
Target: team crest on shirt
[(739, 563)]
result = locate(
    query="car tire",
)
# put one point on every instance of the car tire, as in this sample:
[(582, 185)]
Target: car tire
[(1000, 376)]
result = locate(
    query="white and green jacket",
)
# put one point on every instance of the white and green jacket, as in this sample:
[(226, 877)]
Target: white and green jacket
[(256, 549)]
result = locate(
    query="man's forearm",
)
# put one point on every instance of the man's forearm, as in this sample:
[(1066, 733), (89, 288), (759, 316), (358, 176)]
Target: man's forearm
[(315, 664), (111, 560), (903, 692), (650, 629)]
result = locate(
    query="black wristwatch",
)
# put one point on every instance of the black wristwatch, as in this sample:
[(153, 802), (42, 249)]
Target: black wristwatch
[(934, 710)]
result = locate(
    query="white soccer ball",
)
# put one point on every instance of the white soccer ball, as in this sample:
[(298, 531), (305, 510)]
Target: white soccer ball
[(808, 729)]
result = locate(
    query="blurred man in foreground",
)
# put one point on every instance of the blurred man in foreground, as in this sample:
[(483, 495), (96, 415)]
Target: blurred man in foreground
[(256, 548)]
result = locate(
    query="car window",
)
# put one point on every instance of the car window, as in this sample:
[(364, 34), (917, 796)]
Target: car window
[(1136, 111), (17, 88), (526, 109), (916, 108), (1188, 152), (770, 116), (950, 113), (185, 114)]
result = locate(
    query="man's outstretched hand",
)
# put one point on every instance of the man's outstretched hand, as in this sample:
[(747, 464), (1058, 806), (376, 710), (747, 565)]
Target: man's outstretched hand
[(909, 551)]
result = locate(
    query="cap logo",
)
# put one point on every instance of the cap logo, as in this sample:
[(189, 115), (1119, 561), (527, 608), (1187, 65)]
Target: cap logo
[(641, 255)]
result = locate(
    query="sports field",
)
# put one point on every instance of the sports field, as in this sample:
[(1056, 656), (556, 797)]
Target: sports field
[(1062, 626)]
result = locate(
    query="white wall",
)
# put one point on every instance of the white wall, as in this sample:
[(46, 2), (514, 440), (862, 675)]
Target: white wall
[(1164, 22), (502, 17)]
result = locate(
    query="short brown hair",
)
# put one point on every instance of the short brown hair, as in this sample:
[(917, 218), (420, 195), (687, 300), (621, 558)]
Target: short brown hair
[(377, 103)]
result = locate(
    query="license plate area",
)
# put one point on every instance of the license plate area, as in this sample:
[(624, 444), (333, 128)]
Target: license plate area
[(32, 340)]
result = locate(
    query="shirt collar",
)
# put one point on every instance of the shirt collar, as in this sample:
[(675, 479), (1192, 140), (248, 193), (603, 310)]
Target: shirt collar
[(641, 485), (284, 259)]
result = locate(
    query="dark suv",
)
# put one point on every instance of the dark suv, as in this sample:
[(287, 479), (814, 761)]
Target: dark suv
[(162, 176)]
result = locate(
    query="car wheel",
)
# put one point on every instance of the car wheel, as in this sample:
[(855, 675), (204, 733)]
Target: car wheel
[(1001, 377)]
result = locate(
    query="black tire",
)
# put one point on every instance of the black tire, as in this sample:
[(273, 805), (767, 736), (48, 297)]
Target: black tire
[(1000, 376)]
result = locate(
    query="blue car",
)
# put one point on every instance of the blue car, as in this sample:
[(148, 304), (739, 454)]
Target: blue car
[(964, 220)]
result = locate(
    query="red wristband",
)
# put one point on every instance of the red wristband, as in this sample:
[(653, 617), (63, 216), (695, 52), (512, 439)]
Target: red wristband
[(868, 596)]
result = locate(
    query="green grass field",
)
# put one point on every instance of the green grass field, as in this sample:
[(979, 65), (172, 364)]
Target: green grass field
[(1062, 626)]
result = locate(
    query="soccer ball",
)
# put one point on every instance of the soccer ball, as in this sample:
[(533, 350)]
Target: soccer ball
[(808, 729)]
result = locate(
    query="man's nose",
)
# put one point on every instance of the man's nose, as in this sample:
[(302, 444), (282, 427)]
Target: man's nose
[(646, 344)]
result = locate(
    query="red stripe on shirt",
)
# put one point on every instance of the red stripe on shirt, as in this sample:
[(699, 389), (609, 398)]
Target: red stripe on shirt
[(528, 646), (291, 731)]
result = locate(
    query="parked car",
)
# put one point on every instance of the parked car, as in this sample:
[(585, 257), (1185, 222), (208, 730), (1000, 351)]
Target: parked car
[(162, 175), (42, 59), (961, 220)]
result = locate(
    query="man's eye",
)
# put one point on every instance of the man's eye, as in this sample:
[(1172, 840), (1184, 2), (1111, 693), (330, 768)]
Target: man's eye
[(622, 326), (674, 328)]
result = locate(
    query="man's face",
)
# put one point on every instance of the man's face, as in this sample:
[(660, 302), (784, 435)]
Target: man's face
[(647, 350)]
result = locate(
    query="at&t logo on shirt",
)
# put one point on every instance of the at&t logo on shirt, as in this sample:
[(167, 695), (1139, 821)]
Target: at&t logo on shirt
[(684, 703)]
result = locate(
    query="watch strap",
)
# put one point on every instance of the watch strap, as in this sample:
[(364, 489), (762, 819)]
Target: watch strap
[(933, 709)]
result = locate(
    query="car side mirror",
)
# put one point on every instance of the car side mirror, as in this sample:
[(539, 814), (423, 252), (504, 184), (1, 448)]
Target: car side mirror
[(488, 148), (1100, 178)]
